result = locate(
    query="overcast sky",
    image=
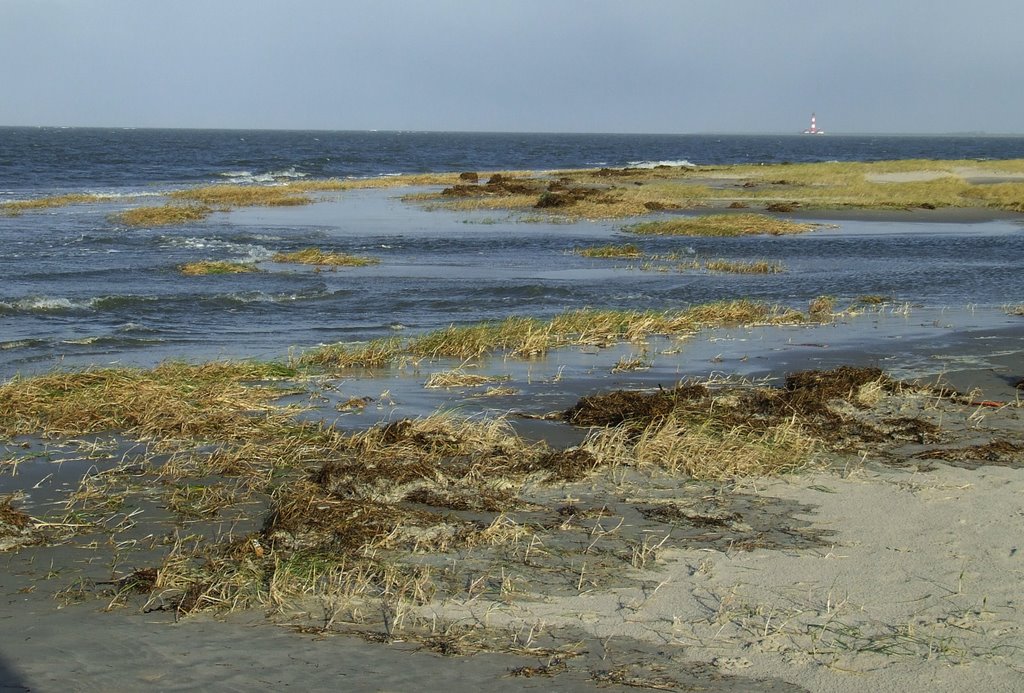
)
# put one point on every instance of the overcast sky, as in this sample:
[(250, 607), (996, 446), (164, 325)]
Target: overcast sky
[(666, 66)]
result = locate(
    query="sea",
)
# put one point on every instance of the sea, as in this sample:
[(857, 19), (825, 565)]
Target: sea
[(78, 289)]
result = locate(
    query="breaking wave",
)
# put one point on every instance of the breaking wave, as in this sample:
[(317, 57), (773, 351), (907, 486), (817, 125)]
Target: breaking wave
[(42, 304), (683, 163), (243, 177)]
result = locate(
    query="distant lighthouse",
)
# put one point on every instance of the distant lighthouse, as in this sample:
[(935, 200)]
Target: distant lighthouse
[(813, 130)]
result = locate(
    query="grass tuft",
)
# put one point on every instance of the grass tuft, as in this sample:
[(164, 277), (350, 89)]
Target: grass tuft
[(523, 337), (165, 215), (17, 207), (721, 225), (206, 267), (743, 266), (315, 256), (243, 196), (627, 251), (172, 400)]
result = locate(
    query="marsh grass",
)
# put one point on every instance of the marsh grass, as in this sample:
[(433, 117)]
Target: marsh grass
[(743, 266), (721, 225), (864, 185), (631, 362), (458, 377), (208, 267), (172, 400), (379, 353), (359, 522), (707, 450), (525, 337), (628, 251), (164, 215), (16, 207), (315, 256), (348, 530), (227, 196)]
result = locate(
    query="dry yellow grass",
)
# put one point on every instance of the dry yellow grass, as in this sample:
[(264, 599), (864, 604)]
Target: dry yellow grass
[(164, 215), (525, 337), (205, 267), (378, 353), (171, 400), (705, 450), (244, 195), (18, 206), (721, 225), (626, 251), (458, 377), (315, 256), (743, 266)]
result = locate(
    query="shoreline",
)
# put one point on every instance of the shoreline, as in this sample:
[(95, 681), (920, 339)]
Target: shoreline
[(704, 609), (883, 554)]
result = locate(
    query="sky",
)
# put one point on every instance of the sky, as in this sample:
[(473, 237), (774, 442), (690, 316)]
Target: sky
[(630, 66)]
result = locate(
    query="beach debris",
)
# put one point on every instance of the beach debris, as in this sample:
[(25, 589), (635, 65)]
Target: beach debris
[(16, 527)]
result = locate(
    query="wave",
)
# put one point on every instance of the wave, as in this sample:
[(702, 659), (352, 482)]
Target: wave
[(112, 341), (42, 304), (243, 177), (683, 163), (248, 252), (21, 344), (55, 305)]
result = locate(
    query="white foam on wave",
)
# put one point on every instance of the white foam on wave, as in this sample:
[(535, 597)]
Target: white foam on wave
[(42, 304), (675, 163), (251, 178), (248, 251)]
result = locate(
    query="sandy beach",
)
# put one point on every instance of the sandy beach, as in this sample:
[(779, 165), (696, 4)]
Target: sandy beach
[(881, 550), (887, 568)]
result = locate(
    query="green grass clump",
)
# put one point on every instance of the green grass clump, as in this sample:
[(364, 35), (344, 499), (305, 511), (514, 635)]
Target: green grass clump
[(720, 225), (164, 215), (315, 256), (206, 267)]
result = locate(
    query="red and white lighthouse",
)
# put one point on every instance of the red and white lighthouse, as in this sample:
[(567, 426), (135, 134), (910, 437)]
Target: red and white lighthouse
[(813, 130)]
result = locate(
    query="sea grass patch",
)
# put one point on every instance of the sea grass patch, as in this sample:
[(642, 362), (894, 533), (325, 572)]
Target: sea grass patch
[(721, 225), (623, 251), (16, 207), (204, 268), (163, 215), (320, 258), (228, 195), (525, 337), (171, 400)]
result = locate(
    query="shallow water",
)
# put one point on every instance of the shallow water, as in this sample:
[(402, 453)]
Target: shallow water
[(79, 290)]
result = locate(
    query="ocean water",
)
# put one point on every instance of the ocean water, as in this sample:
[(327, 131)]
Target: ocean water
[(76, 288)]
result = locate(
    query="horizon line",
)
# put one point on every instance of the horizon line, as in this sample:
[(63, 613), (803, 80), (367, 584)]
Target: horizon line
[(737, 133)]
